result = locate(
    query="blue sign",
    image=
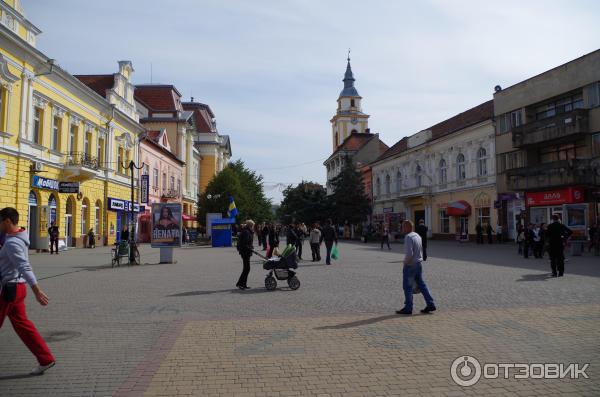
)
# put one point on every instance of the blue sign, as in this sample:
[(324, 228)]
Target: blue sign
[(45, 183), (121, 205)]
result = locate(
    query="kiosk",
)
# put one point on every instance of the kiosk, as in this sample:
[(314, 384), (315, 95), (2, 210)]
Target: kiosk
[(221, 232)]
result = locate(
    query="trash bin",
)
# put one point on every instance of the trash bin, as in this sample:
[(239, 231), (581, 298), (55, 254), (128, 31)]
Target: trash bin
[(576, 248)]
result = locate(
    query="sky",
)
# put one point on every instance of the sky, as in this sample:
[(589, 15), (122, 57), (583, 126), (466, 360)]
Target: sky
[(272, 70)]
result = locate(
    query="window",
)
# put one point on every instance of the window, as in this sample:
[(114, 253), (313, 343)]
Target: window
[(594, 95), (155, 178), (84, 216), (418, 176), (481, 162), (378, 187), (352, 102), (100, 151), (73, 138), (398, 182), (54, 140), (515, 119), (596, 144), (172, 183), (558, 153), (444, 222), (2, 110), (38, 115), (563, 105), (443, 172), (461, 173), (87, 141), (164, 182), (503, 124), (97, 220), (483, 216), (120, 159), (179, 186), (387, 184)]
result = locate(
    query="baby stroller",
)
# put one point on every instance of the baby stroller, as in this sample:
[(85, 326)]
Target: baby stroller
[(280, 268)]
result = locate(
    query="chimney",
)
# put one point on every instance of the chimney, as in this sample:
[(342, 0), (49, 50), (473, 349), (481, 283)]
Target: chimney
[(368, 131)]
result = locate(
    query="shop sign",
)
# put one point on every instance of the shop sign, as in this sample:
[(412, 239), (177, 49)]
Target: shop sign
[(166, 225), (44, 183), (556, 197), (144, 189), (68, 187), (508, 196), (388, 210), (122, 205), (497, 204)]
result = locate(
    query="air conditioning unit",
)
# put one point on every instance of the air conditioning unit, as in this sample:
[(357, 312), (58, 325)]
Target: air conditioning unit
[(37, 166)]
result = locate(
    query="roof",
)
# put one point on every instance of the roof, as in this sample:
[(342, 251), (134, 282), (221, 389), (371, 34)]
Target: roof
[(470, 117), (151, 138), (202, 116), (356, 141), (158, 97), (349, 89), (98, 82)]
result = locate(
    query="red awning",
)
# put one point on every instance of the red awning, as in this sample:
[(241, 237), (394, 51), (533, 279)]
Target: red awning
[(186, 217), (144, 216), (458, 208)]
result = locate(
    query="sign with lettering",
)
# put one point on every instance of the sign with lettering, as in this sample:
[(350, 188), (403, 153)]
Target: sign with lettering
[(570, 195), (388, 210), (44, 183), (144, 188), (68, 187), (121, 205), (166, 225)]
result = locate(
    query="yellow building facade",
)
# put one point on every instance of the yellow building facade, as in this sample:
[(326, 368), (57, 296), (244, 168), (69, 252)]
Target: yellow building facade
[(62, 146)]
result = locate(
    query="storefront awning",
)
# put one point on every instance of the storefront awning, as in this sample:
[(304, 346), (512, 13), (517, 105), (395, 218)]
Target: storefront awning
[(458, 208), (186, 217)]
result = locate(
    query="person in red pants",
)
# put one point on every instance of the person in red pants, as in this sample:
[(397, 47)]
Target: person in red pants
[(15, 271)]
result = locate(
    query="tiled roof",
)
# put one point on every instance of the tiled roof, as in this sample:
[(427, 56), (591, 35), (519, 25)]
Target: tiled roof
[(97, 82), (202, 113), (153, 135), (158, 97), (456, 123), (355, 141)]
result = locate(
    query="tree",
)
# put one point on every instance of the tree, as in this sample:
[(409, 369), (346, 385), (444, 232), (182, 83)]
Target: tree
[(351, 204), (307, 202), (246, 188)]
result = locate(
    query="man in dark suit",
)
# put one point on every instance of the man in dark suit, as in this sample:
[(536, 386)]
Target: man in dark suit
[(557, 234), (421, 230), (245, 248)]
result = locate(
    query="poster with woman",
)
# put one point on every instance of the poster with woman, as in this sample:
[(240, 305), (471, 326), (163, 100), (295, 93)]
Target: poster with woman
[(166, 225)]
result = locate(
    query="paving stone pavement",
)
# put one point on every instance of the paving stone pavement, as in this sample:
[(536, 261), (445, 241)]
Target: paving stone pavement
[(182, 329)]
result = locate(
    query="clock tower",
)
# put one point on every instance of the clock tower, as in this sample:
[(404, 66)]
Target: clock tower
[(349, 117)]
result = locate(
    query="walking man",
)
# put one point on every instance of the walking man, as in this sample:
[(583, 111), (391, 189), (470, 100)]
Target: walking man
[(422, 232), (489, 231), (557, 235), (245, 248), (385, 238), (273, 240), (413, 271), (329, 236), (53, 234), (479, 231), (315, 243), (15, 270)]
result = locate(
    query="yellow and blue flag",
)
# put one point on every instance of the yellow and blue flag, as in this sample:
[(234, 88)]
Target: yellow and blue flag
[(233, 211)]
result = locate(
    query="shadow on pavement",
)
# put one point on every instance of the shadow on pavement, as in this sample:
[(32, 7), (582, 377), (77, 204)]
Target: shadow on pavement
[(535, 277), (16, 376), (221, 291), (359, 323)]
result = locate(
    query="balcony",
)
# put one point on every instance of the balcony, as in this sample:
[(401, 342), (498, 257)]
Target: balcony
[(168, 194), (80, 166), (564, 125), (555, 174), (414, 191)]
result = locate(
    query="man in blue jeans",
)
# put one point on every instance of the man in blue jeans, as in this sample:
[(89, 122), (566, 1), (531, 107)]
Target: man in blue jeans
[(412, 270)]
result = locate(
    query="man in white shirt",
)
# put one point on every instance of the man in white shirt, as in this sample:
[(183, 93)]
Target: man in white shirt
[(412, 270)]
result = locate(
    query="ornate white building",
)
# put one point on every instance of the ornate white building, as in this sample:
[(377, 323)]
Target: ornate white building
[(444, 175)]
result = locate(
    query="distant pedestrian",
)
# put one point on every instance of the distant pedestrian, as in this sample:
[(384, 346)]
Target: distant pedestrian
[(53, 234), (413, 270), (422, 232), (385, 238), (265, 235), (558, 234), (91, 243), (527, 240), (479, 231), (520, 240), (273, 240), (330, 237), (301, 232), (315, 243), (499, 233), (593, 237), (292, 236), (489, 232), (125, 234), (538, 243), (15, 271), (245, 248)]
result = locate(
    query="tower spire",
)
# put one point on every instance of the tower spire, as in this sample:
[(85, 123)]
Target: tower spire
[(349, 89)]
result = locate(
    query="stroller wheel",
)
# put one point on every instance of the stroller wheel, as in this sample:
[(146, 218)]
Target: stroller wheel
[(270, 283), (294, 283)]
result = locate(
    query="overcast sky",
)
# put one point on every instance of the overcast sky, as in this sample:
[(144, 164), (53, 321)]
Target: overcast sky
[(272, 70)]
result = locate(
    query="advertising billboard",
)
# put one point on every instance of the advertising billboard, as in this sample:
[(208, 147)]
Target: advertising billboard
[(166, 225)]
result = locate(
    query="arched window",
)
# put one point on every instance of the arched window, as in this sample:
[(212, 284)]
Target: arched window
[(398, 181), (85, 216), (419, 175), (388, 182), (481, 162), (443, 172), (98, 218), (352, 103), (461, 173), (378, 187)]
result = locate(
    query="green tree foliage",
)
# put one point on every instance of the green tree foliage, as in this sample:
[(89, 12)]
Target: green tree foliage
[(246, 188), (308, 202), (349, 200)]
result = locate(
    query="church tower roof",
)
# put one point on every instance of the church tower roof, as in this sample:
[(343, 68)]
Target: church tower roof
[(349, 89)]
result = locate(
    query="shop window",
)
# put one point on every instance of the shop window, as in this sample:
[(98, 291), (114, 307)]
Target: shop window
[(52, 208), (444, 222), (483, 216)]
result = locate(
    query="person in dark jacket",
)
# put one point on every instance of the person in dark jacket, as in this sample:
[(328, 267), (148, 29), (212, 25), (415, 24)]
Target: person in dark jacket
[(273, 240), (53, 234), (527, 240), (245, 248), (421, 230), (292, 235), (329, 236), (265, 235), (479, 231), (557, 235), (91, 243), (489, 231)]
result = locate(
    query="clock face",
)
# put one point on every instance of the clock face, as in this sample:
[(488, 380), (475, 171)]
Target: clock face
[(354, 120)]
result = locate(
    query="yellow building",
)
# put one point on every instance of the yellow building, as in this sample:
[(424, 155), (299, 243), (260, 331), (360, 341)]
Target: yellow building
[(60, 142)]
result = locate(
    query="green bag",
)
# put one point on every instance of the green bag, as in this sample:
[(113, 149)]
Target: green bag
[(288, 250), (335, 252)]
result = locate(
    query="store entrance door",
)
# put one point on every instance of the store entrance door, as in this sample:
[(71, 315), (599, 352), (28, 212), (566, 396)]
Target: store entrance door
[(419, 215)]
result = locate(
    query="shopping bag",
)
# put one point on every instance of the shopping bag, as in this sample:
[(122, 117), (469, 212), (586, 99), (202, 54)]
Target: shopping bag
[(335, 252), (415, 286)]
